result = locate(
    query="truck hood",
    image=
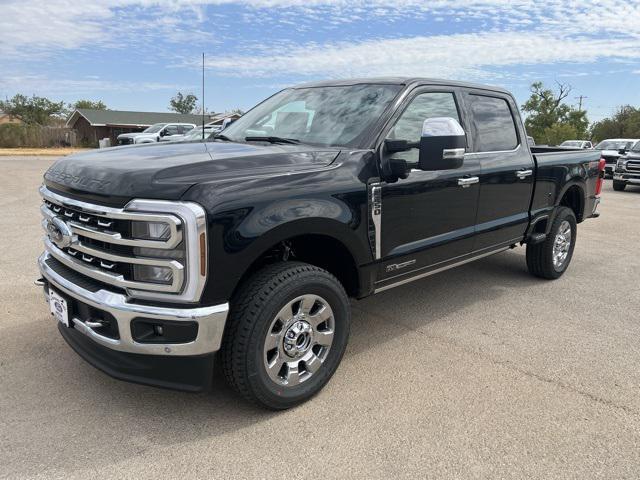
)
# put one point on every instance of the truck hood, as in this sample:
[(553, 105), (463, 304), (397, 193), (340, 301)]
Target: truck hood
[(609, 153), (167, 170)]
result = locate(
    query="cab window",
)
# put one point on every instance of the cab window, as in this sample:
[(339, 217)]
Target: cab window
[(423, 106)]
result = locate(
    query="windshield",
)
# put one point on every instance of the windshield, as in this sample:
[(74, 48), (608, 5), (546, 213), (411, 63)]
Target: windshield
[(571, 143), (636, 147), (613, 145), (154, 128), (328, 116)]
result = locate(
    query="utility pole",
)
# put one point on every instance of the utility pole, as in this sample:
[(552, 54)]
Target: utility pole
[(580, 98), (202, 95)]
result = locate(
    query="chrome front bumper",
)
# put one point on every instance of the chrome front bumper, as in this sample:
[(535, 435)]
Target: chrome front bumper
[(211, 320), (627, 177)]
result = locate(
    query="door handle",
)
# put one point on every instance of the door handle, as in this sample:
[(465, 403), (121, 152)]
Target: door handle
[(468, 181), (522, 174)]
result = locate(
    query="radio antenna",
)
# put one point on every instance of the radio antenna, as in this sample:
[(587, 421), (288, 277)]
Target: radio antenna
[(202, 95)]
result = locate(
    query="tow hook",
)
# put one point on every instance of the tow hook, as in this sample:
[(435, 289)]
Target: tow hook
[(39, 282)]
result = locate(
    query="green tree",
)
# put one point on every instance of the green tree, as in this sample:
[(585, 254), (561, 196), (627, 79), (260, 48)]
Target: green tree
[(183, 103), (558, 133), (625, 123), (89, 105), (34, 110), (547, 112)]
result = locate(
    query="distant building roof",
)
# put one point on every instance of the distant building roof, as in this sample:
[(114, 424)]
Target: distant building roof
[(100, 118)]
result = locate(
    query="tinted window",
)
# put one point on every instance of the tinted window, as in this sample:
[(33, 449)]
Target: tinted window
[(171, 130), (424, 106), (494, 128)]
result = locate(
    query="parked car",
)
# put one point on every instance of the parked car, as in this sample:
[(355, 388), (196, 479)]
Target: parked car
[(155, 133), (627, 169), (584, 144), (245, 249), (195, 134), (611, 151)]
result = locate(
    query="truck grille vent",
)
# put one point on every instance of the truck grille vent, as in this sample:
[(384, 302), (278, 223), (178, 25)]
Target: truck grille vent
[(149, 248)]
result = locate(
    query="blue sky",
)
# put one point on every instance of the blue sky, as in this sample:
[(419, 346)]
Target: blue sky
[(135, 54)]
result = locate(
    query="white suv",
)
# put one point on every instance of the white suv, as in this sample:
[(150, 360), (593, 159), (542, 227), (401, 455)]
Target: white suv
[(155, 133)]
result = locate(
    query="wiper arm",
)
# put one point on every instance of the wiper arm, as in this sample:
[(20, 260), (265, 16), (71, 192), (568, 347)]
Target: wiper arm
[(272, 140)]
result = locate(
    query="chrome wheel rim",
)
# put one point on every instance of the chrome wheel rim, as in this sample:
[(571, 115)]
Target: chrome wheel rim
[(298, 340), (562, 244)]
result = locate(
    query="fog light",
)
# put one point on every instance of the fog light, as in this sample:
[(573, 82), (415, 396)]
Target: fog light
[(151, 274), (150, 230)]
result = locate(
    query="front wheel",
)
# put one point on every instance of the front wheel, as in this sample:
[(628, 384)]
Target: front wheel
[(286, 334), (618, 186), (551, 258)]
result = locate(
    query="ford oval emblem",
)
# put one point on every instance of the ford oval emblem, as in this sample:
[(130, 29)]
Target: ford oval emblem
[(59, 232)]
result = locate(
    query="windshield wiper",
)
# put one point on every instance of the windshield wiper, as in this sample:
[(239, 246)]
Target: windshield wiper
[(272, 140)]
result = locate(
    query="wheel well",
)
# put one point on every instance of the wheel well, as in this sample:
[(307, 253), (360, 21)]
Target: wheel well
[(319, 250), (574, 199)]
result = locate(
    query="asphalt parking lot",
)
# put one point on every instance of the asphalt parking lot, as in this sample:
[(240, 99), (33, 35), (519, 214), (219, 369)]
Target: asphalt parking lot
[(478, 372)]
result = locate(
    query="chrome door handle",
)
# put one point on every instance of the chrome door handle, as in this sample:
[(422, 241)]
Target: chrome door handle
[(468, 181), (522, 174)]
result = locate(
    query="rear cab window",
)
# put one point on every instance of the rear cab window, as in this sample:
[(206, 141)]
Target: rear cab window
[(493, 123)]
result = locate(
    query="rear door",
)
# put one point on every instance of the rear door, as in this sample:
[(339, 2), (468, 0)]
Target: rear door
[(506, 168), (427, 218)]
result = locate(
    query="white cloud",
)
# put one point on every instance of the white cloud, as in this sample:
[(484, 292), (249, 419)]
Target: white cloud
[(453, 56)]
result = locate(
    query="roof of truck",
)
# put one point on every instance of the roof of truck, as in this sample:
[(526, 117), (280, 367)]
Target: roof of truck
[(400, 81)]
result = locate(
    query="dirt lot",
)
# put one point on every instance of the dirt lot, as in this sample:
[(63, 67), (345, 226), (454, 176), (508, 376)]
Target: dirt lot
[(478, 372), (30, 152)]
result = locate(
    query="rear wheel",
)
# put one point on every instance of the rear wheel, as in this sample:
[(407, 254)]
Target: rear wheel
[(286, 334), (618, 186), (551, 258)]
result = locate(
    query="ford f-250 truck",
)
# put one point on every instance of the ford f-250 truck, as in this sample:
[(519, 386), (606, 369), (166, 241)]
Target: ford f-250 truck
[(627, 171), (245, 249)]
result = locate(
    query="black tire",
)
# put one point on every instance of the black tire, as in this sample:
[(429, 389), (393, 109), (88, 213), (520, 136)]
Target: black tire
[(540, 256), (254, 308), (619, 186)]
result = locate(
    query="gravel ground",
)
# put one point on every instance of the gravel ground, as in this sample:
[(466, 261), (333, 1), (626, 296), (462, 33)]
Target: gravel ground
[(478, 372)]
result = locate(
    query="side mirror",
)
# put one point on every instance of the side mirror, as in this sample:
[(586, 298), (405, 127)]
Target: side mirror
[(622, 151), (442, 145)]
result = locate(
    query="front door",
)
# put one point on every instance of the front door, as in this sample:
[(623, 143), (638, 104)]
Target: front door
[(429, 217)]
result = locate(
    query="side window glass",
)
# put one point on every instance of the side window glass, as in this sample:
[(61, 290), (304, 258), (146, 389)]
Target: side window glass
[(171, 130), (494, 127), (423, 106)]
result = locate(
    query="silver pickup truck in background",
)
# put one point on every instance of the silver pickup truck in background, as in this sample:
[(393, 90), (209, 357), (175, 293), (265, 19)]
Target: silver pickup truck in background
[(627, 170)]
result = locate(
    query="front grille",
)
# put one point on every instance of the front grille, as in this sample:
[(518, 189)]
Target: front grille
[(125, 141), (633, 166), (98, 242)]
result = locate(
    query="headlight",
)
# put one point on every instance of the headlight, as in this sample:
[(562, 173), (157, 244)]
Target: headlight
[(621, 163), (153, 273), (150, 230), (148, 273)]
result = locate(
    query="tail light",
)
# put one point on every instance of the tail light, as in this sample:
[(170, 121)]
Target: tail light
[(600, 180)]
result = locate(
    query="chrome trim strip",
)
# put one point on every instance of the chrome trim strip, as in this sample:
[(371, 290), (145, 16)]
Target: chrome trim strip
[(211, 320), (452, 153), (376, 217), (438, 270), (495, 151)]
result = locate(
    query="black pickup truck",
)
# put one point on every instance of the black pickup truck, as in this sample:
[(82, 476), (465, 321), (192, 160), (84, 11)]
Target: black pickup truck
[(245, 249)]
